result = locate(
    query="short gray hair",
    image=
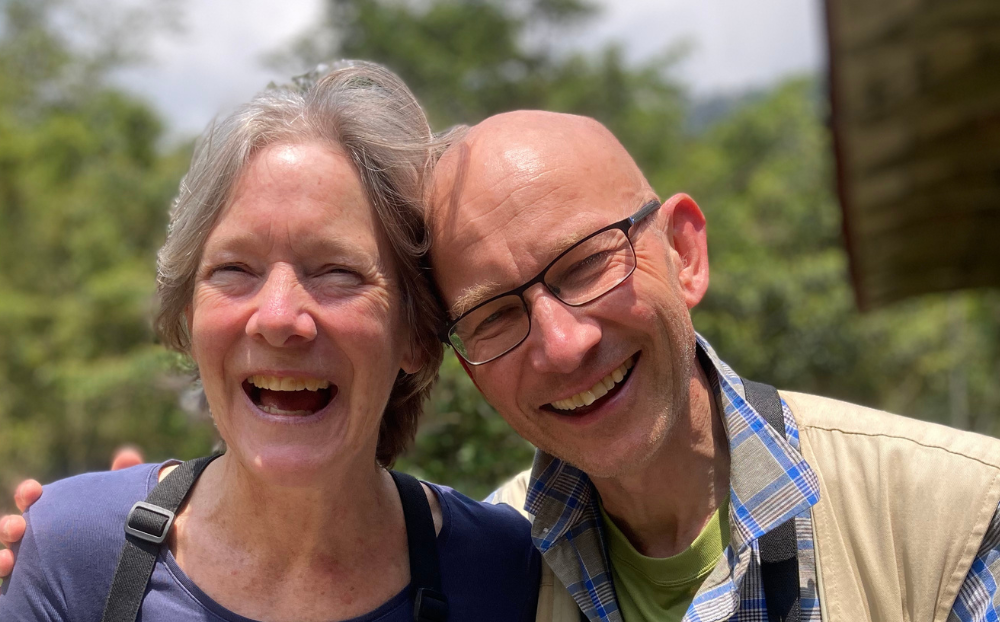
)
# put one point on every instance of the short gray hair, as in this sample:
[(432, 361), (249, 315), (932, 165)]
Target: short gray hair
[(367, 111)]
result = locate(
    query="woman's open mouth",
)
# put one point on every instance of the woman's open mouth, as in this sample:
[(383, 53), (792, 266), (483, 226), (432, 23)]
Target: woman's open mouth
[(288, 396)]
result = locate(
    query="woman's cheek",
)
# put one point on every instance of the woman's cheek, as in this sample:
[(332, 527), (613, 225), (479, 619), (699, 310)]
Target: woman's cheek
[(367, 318)]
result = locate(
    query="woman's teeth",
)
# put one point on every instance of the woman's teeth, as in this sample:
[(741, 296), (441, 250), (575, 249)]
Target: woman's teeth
[(286, 396), (597, 391), (274, 410), (274, 383)]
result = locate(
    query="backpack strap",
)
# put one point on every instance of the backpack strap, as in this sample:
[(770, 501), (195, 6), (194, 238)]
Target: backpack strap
[(146, 528), (779, 563), (429, 602)]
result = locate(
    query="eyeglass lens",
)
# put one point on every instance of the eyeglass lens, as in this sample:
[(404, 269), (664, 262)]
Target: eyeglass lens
[(587, 271)]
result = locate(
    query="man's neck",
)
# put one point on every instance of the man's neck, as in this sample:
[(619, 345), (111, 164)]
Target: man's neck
[(664, 505)]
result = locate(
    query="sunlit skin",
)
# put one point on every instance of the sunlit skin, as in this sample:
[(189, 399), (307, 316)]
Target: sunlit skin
[(12, 527), (516, 191), (293, 282)]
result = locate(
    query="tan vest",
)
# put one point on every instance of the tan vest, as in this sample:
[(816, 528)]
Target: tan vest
[(903, 508)]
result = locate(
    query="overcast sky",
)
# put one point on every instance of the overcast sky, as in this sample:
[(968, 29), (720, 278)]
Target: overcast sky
[(215, 61)]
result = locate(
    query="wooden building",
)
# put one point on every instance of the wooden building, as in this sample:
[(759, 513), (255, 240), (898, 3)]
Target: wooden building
[(915, 90)]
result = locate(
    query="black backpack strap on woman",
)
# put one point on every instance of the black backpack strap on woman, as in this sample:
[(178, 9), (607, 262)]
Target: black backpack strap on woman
[(779, 548), (429, 602), (146, 528)]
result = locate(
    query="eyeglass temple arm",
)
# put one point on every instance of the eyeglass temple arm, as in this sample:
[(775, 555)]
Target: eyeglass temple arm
[(644, 211)]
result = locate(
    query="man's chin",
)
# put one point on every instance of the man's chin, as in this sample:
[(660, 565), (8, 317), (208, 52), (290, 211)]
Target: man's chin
[(606, 460), (603, 454)]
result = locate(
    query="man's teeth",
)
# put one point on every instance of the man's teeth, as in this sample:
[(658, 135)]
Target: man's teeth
[(597, 391), (274, 383)]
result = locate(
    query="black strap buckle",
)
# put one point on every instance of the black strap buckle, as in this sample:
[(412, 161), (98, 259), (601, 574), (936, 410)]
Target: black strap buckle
[(141, 526), (430, 606)]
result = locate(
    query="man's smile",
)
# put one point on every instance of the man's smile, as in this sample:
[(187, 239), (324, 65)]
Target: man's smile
[(599, 393)]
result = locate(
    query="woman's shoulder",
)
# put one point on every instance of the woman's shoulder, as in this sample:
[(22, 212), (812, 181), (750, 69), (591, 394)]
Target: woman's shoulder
[(490, 568), (74, 535), (85, 505), (79, 521), (495, 521)]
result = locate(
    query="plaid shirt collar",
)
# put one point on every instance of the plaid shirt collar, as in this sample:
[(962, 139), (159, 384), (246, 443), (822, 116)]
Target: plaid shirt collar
[(770, 482)]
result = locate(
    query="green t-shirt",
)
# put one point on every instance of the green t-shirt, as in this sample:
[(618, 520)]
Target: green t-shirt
[(661, 589)]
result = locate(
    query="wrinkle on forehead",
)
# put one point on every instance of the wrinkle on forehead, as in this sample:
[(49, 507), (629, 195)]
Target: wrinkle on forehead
[(509, 155), (474, 212), (311, 178), (476, 187), (508, 175)]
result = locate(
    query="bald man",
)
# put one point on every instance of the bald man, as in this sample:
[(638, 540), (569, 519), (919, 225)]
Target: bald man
[(664, 485)]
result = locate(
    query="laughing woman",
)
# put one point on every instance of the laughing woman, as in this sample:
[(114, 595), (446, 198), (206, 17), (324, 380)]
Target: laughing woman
[(290, 276)]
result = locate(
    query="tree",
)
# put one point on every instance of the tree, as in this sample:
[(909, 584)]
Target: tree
[(84, 190), (780, 307)]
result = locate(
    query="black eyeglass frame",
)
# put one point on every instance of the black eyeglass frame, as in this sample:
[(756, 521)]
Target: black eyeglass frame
[(625, 226)]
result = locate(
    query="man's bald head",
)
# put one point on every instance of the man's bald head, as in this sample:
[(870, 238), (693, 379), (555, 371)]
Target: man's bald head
[(500, 160), (513, 166)]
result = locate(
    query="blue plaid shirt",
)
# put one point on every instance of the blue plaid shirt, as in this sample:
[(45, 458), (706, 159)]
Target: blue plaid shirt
[(770, 483)]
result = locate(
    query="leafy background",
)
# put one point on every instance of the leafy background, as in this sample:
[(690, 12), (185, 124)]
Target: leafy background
[(86, 179)]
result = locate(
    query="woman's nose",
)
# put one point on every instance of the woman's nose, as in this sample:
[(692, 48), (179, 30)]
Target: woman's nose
[(282, 317)]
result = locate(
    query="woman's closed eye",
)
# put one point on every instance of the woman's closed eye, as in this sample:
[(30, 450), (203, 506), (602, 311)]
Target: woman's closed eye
[(336, 278), (340, 271), (227, 271), (237, 268)]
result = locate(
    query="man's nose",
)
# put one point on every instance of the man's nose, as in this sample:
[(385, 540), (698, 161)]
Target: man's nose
[(282, 317), (561, 336)]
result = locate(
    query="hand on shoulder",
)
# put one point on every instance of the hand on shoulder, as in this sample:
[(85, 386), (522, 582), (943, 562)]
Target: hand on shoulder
[(27, 494)]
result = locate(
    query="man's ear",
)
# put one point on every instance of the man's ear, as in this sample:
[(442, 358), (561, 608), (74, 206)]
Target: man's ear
[(686, 231)]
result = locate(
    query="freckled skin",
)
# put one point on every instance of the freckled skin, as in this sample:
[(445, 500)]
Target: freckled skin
[(293, 280), (284, 299)]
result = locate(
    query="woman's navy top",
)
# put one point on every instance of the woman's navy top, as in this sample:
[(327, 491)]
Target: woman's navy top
[(489, 568)]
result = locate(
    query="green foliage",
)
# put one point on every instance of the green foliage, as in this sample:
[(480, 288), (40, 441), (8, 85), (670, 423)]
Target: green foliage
[(462, 441), (83, 192), (84, 187), (780, 306)]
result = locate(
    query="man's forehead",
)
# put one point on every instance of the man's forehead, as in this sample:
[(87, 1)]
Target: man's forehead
[(502, 179), (517, 190)]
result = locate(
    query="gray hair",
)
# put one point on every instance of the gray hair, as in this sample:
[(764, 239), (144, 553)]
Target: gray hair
[(369, 113)]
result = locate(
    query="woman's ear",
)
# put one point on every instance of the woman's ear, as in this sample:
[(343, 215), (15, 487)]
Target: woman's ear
[(413, 358), (686, 232)]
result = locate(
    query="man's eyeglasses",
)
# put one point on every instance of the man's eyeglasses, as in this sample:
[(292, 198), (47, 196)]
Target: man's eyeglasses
[(582, 273)]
